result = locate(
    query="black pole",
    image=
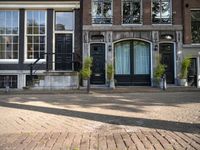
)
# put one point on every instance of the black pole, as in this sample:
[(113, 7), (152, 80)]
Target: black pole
[(88, 85), (31, 73), (47, 64)]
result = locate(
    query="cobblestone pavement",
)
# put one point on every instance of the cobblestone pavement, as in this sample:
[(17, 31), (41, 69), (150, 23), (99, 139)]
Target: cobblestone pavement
[(100, 121)]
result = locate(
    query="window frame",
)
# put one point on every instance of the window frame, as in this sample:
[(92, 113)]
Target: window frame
[(100, 24), (62, 32), (12, 61), (160, 23), (191, 27), (141, 15), (26, 60), (73, 22)]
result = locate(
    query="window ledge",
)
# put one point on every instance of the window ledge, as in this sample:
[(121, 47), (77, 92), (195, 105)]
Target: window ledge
[(136, 24), (9, 61)]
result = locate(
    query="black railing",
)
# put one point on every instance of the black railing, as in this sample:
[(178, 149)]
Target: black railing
[(162, 20), (102, 20), (32, 67), (63, 61)]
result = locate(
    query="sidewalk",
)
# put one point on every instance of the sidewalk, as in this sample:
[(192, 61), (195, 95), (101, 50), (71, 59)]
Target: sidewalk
[(104, 89)]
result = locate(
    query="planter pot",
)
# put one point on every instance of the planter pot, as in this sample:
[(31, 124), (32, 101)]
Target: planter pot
[(85, 83), (160, 84), (111, 84), (182, 82)]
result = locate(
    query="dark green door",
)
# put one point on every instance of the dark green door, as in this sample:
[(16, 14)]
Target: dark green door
[(97, 52), (63, 52), (167, 58)]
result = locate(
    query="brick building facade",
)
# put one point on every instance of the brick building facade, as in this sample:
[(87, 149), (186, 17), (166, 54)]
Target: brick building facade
[(142, 29)]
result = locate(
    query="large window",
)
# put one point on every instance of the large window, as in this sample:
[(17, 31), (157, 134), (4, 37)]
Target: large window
[(161, 12), (131, 11), (195, 25), (132, 57), (141, 58), (122, 58), (36, 34), (9, 34), (64, 21), (101, 11)]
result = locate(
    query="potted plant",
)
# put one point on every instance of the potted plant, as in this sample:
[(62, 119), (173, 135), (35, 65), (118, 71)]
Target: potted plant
[(158, 74), (86, 72), (184, 71), (110, 76)]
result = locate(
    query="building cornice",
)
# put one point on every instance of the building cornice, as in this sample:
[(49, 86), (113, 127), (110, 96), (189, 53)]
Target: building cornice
[(135, 27), (39, 4)]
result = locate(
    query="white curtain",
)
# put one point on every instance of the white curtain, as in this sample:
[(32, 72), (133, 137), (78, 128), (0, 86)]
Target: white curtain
[(122, 58), (141, 58)]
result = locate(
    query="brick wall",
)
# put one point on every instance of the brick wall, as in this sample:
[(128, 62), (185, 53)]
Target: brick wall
[(86, 12), (117, 12), (117, 16)]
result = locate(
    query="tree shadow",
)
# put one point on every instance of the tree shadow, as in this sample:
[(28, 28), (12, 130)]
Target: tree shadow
[(112, 119), (123, 102)]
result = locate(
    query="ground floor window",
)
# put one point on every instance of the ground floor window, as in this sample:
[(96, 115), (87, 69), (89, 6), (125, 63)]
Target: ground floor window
[(122, 61), (132, 62), (8, 81), (132, 52)]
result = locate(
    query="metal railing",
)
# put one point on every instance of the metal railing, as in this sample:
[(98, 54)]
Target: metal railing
[(102, 20), (64, 61)]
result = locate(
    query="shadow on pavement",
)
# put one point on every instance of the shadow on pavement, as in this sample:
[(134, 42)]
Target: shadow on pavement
[(118, 120)]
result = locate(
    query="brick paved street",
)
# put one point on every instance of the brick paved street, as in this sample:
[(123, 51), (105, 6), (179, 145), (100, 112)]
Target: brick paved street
[(100, 121)]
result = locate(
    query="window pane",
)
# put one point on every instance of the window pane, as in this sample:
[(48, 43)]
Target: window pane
[(131, 12), (42, 39), (2, 22), (64, 21), (34, 32), (36, 39), (141, 58), (195, 24), (36, 19), (161, 11), (30, 40), (122, 58), (102, 11), (165, 14), (2, 40)]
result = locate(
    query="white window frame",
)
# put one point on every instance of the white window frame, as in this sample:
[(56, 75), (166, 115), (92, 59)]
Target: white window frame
[(26, 60), (62, 32), (12, 61), (160, 17), (99, 24), (141, 15)]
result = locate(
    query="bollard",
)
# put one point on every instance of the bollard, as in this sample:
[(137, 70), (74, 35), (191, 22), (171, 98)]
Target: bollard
[(164, 87)]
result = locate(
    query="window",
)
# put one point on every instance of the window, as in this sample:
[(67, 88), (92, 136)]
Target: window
[(64, 21), (195, 24), (141, 58), (132, 57), (9, 34), (161, 12), (8, 81), (102, 11), (122, 58), (131, 11), (36, 34)]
